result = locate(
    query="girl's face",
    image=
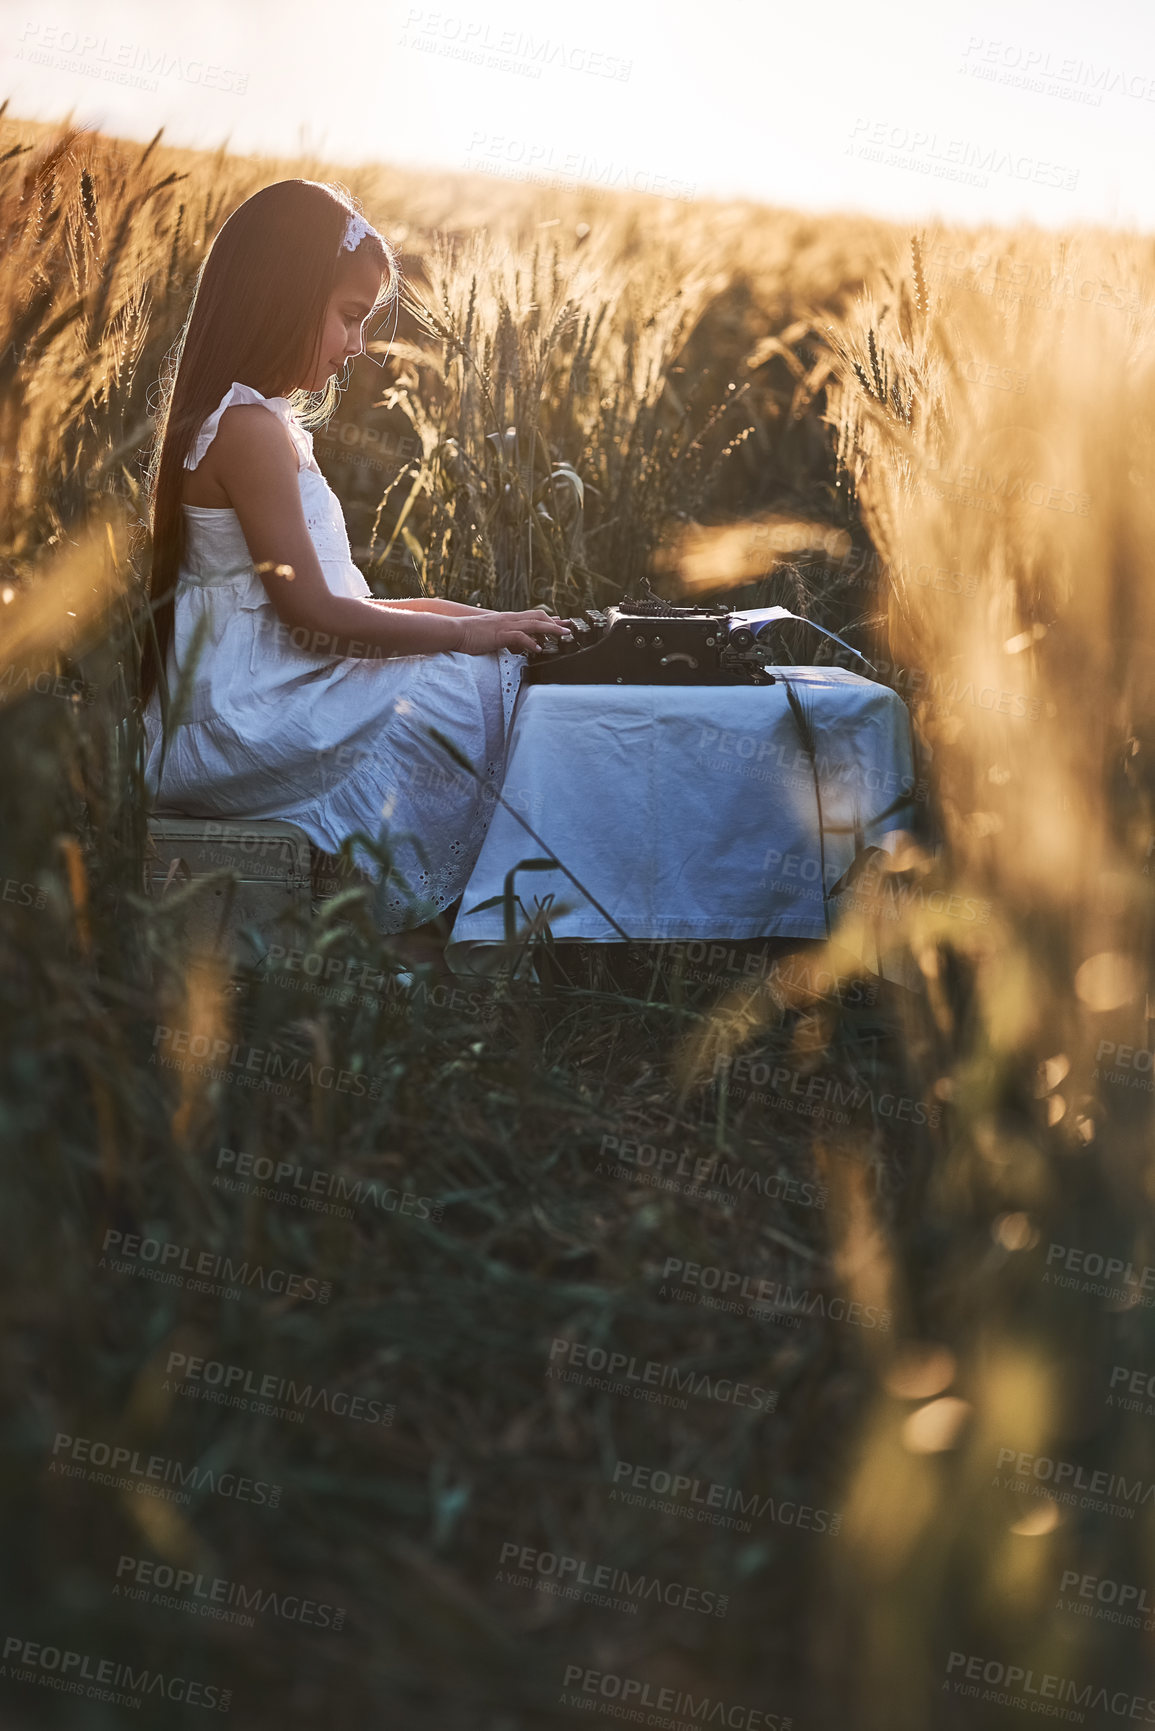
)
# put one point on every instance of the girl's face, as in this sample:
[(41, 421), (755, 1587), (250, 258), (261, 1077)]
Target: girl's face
[(343, 324)]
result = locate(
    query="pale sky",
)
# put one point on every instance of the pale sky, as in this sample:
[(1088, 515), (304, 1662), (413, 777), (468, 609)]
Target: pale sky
[(987, 112)]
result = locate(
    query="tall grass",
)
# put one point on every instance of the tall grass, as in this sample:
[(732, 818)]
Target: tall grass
[(554, 447), (1007, 436), (598, 393)]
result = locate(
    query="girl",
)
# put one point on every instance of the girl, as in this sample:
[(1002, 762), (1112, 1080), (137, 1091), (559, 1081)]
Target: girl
[(290, 692)]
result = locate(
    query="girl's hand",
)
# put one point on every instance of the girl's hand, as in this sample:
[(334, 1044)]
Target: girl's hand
[(486, 633)]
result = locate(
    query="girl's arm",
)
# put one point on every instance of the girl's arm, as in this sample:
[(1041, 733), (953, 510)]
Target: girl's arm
[(430, 604), (256, 465)]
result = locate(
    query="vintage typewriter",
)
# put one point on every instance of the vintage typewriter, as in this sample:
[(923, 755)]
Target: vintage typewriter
[(653, 642)]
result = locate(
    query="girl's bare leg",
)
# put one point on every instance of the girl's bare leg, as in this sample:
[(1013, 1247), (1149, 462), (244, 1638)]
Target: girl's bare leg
[(425, 944), (417, 945)]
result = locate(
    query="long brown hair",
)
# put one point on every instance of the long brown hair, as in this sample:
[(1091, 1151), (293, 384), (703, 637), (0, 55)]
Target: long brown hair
[(256, 316)]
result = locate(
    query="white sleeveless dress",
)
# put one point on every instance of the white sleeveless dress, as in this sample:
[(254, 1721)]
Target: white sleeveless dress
[(335, 744)]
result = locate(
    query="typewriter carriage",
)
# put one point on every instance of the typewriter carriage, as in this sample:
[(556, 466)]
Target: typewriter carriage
[(655, 642)]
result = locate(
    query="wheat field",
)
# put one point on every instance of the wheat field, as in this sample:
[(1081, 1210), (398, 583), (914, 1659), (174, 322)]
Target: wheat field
[(939, 443)]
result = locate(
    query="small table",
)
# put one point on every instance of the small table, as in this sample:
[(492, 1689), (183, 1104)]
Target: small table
[(688, 811)]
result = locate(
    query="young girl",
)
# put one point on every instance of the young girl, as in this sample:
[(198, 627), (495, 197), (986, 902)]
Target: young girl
[(291, 692)]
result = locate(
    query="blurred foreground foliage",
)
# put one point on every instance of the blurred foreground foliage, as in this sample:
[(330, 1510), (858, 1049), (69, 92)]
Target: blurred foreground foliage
[(943, 446)]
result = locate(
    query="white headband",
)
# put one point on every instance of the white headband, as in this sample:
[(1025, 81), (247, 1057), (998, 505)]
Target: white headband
[(355, 231)]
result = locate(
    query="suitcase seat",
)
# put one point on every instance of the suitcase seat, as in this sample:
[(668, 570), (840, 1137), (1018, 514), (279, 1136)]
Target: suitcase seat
[(271, 866)]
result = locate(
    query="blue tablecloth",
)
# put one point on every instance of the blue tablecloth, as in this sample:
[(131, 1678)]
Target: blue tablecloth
[(692, 811)]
